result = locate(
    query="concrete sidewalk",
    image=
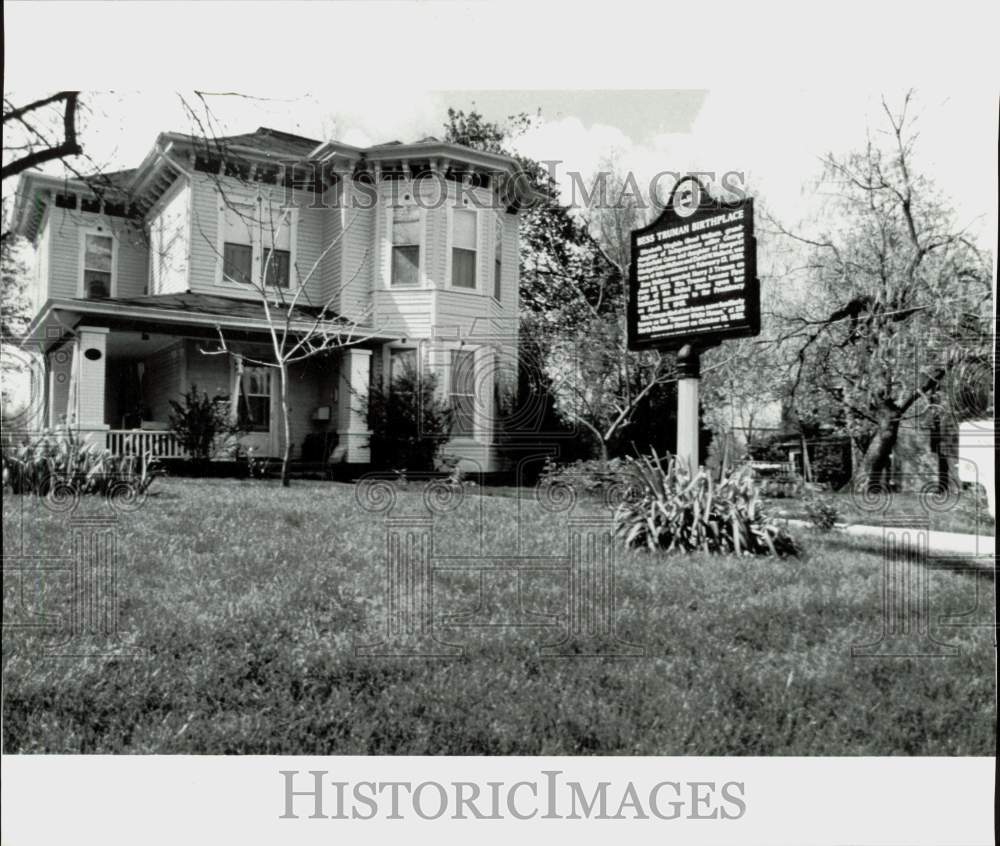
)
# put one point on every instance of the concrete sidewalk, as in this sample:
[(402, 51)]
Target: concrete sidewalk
[(938, 543)]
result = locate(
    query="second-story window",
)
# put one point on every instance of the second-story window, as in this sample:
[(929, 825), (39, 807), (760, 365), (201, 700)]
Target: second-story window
[(98, 265), (405, 245), (237, 248), (463, 249), (253, 249), (277, 267), (237, 262)]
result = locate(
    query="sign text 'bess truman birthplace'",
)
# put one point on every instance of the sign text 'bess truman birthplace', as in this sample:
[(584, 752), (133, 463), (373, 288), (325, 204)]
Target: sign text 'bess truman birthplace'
[(693, 274)]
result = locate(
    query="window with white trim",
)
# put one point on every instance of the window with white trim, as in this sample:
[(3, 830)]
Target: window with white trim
[(462, 391), (255, 399), (463, 248), (405, 246), (497, 258), (255, 249), (98, 265), (401, 362)]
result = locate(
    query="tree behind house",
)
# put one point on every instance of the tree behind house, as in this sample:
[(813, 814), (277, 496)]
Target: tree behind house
[(897, 297)]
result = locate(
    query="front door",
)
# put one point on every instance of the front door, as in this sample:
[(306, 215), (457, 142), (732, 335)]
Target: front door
[(259, 410)]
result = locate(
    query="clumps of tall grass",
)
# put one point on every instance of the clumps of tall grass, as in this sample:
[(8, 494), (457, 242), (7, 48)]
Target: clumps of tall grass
[(670, 509), (57, 465)]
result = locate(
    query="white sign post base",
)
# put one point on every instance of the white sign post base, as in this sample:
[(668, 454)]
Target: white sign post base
[(688, 360)]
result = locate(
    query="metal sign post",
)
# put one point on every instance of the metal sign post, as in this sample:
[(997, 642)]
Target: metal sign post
[(692, 283)]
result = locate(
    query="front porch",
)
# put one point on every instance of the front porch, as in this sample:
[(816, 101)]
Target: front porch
[(115, 388)]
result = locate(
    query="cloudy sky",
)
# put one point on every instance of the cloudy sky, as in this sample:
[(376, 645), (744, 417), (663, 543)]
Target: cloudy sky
[(771, 118)]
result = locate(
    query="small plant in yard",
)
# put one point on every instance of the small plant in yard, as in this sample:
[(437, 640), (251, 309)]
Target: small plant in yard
[(822, 512), (675, 511), (58, 464), (202, 424), (456, 475)]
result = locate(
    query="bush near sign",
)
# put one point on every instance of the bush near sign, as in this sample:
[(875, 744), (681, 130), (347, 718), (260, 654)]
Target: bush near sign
[(693, 278)]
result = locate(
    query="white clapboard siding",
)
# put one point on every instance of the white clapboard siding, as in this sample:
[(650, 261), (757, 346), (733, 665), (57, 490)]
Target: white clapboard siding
[(169, 229), (357, 267), (206, 247), (132, 253)]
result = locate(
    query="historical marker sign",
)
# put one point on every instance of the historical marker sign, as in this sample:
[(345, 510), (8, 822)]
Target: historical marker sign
[(693, 278)]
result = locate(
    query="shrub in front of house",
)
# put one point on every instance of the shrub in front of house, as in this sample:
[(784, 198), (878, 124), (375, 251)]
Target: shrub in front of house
[(409, 422), (672, 510), (593, 476), (58, 466), (202, 424)]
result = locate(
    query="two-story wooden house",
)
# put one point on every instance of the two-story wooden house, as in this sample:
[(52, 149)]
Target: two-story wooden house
[(142, 275)]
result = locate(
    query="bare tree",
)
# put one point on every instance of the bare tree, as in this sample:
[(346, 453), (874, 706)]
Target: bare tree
[(739, 387), (606, 384), (897, 294), (299, 327), (38, 141)]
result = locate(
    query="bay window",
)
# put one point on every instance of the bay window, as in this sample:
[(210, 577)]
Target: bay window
[(463, 248), (462, 392), (402, 362), (405, 246)]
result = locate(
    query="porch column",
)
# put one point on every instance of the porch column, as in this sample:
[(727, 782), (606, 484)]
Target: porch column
[(60, 373), (92, 361), (352, 422)]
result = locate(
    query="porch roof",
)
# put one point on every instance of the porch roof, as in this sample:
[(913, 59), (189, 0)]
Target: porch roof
[(186, 314)]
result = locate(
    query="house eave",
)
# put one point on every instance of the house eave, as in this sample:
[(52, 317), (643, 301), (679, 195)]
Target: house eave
[(442, 150), (69, 313)]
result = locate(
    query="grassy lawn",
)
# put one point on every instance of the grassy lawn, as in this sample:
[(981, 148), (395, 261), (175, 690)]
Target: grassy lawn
[(246, 603), (963, 513)]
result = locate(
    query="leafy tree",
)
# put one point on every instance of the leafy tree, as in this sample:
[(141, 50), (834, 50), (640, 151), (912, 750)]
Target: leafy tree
[(897, 297)]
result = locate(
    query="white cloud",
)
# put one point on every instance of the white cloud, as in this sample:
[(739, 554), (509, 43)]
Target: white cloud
[(778, 138)]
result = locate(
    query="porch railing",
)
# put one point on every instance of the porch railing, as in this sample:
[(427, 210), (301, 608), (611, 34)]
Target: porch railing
[(160, 444)]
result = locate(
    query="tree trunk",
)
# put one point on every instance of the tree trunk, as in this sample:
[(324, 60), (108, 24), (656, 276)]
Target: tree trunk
[(286, 425), (873, 469), (807, 473)]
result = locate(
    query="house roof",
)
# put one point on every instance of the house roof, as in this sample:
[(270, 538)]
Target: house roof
[(186, 313), (271, 142), (215, 305), (143, 185)]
